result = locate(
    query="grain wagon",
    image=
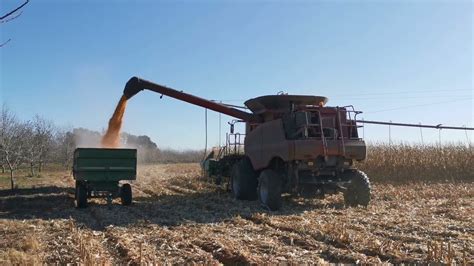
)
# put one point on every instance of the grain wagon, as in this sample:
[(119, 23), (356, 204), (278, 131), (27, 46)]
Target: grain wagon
[(98, 172)]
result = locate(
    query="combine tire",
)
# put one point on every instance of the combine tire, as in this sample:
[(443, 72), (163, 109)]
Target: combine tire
[(81, 195), (358, 191), (244, 180), (126, 194), (269, 189)]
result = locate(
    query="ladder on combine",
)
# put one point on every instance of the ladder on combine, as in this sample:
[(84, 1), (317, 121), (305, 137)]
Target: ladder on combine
[(234, 145)]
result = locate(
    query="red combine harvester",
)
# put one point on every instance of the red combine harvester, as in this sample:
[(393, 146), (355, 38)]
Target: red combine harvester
[(293, 144)]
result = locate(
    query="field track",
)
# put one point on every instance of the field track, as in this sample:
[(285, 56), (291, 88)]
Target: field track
[(176, 217)]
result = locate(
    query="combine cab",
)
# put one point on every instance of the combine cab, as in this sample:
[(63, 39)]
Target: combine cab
[(293, 144)]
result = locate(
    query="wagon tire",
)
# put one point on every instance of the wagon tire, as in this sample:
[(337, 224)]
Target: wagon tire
[(358, 191), (126, 194), (244, 181), (81, 195), (269, 189)]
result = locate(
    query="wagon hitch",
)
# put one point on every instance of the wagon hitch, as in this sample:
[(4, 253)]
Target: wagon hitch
[(341, 188)]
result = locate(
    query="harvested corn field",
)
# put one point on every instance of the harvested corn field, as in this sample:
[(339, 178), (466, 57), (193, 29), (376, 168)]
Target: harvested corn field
[(176, 217)]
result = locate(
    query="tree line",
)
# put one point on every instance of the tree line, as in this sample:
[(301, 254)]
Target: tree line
[(33, 143)]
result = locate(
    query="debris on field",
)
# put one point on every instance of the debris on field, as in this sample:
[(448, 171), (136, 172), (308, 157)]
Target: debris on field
[(178, 218)]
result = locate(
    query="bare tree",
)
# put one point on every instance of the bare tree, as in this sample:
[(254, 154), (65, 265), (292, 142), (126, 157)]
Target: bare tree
[(2, 161), (45, 130), (40, 141), (12, 141), (64, 147)]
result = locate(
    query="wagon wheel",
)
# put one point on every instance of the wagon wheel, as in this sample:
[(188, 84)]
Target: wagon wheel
[(126, 194), (81, 195)]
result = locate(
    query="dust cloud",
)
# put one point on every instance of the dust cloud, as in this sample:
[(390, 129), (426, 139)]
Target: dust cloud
[(111, 139)]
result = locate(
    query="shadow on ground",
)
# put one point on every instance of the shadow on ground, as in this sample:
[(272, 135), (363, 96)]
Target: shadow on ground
[(167, 210)]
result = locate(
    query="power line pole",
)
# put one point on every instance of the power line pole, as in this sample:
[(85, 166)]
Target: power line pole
[(205, 130), (439, 137), (421, 134), (467, 137), (390, 133), (220, 130), (363, 130)]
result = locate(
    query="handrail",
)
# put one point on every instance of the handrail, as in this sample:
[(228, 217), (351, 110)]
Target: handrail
[(323, 138), (342, 132), (233, 147)]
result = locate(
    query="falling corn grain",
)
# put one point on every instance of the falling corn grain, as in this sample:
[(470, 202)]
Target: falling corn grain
[(111, 139)]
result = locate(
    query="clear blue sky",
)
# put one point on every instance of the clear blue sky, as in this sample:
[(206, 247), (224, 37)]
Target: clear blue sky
[(407, 61)]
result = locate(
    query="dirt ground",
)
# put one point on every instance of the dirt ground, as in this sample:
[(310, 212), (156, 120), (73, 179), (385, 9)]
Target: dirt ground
[(178, 218)]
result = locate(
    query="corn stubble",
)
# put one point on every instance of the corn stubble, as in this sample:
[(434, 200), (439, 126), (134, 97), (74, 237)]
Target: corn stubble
[(177, 217)]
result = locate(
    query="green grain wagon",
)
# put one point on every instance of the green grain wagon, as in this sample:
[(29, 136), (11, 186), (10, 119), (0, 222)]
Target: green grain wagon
[(98, 171)]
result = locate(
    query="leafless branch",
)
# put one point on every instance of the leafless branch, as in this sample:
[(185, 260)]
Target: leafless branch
[(14, 10), (3, 44), (11, 18)]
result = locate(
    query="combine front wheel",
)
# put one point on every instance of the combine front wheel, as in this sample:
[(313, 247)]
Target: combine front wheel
[(269, 189), (358, 191), (244, 180)]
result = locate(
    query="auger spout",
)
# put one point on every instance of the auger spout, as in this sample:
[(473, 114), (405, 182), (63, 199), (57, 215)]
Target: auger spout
[(135, 85)]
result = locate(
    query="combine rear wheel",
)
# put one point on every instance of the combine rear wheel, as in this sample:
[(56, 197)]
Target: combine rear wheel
[(81, 195), (269, 189), (126, 194), (244, 180), (358, 191)]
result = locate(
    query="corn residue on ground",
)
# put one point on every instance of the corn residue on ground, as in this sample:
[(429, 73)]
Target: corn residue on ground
[(176, 217)]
